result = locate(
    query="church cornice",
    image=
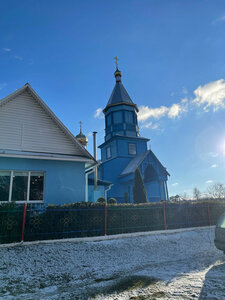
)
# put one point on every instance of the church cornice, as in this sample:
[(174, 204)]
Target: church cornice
[(120, 103), (123, 137)]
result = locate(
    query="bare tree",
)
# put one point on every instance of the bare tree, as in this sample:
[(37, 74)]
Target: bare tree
[(216, 190), (196, 193), (175, 198), (185, 196)]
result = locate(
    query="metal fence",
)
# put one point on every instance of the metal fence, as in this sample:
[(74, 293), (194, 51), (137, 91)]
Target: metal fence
[(29, 223)]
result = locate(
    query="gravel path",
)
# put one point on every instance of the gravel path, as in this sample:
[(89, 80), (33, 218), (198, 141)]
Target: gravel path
[(181, 265)]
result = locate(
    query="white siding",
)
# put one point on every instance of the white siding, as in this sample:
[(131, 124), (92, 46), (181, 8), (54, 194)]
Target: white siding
[(26, 126)]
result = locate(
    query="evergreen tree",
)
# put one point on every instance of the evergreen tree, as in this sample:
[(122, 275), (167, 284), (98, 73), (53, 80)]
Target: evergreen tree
[(139, 191)]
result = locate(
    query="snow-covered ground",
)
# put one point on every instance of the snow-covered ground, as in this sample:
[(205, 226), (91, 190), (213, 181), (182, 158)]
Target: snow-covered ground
[(170, 265)]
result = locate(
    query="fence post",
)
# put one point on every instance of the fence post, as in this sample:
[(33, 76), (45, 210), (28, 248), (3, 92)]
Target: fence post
[(24, 221), (105, 218), (164, 214), (209, 217)]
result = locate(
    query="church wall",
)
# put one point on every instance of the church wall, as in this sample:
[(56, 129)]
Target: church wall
[(156, 191), (113, 149), (64, 180), (93, 194), (123, 145), (111, 171)]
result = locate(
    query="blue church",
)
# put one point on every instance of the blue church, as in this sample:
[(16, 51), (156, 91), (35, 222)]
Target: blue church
[(124, 150)]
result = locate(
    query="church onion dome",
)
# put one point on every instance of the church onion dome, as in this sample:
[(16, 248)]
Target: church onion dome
[(119, 94), (82, 139)]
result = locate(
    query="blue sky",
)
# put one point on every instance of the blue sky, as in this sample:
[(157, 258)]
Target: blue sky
[(171, 54)]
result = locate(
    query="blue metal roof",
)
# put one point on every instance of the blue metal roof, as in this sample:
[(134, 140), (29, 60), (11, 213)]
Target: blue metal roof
[(119, 94), (100, 182), (136, 161)]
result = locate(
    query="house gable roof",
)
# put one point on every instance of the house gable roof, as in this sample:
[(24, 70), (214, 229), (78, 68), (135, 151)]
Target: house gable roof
[(25, 117)]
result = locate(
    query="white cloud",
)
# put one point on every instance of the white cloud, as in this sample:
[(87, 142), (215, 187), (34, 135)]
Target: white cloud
[(213, 154), (146, 125), (218, 20), (155, 126), (174, 111), (209, 181), (185, 90), (98, 113), (150, 125), (211, 95), (175, 184), (146, 112), (18, 57), (6, 49), (214, 166), (2, 85)]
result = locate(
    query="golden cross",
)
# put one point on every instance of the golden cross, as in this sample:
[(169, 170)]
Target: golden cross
[(116, 59)]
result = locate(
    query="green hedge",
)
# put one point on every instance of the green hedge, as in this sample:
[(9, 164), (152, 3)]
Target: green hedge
[(11, 217), (88, 219)]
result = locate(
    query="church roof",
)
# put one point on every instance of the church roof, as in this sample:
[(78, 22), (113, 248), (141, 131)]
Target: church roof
[(100, 182), (137, 160), (119, 94), (134, 163)]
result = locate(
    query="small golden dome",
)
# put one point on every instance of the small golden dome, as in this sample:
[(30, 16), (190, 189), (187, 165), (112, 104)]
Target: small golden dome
[(82, 139)]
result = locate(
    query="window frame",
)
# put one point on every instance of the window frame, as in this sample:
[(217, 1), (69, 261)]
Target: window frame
[(28, 187), (108, 156), (108, 119), (127, 112), (119, 112), (131, 144)]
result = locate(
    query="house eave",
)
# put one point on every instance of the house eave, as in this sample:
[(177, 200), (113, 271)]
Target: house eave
[(45, 156)]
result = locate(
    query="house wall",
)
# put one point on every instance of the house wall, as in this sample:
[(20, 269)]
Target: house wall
[(64, 180)]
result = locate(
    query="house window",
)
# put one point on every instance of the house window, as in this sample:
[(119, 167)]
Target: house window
[(132, 149), (21, 186), (108, 152), (36, 186), (4, 185)]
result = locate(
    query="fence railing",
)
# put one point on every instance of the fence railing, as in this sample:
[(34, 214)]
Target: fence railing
[(29, 224)]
